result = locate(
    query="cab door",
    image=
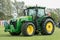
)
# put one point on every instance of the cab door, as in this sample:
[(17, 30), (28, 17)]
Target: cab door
[(40, 13), (32, 12)]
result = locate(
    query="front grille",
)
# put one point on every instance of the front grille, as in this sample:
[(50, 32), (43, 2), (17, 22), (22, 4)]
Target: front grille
[(14, 23)]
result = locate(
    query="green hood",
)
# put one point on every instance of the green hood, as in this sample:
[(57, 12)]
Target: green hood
[(25, 18)]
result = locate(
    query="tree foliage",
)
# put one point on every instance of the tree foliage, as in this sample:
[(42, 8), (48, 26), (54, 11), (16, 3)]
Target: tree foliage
[(54, 16), (2, 16)]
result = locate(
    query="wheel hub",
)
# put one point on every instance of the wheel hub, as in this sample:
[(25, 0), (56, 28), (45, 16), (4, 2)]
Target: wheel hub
[(30, 29), (49, 27)]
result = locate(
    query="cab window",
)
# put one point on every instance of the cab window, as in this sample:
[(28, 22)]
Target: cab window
[(40, 12), (32, 12)]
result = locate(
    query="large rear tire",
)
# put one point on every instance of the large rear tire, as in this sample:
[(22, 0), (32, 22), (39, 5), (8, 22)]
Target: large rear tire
[(47, 27), (28, 29)]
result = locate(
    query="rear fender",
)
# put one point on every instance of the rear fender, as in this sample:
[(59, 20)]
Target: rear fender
[(41, 20)]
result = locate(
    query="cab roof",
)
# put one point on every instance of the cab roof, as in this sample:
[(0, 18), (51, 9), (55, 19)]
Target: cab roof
[(35, 7)]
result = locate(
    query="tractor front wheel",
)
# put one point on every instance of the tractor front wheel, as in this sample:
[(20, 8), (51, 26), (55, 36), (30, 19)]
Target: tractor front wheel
[(28, 29)]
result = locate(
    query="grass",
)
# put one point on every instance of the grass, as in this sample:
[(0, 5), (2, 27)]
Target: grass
[(7, 36)]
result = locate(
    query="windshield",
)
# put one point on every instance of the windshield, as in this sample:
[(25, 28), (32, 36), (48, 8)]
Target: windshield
[(29, 12), (32, 12)]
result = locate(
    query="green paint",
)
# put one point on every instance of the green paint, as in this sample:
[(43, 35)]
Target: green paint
[(39, 21), (19, 24)]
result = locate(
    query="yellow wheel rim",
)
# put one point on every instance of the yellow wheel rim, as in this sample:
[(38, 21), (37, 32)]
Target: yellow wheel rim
[(49, 27), (30, 29)]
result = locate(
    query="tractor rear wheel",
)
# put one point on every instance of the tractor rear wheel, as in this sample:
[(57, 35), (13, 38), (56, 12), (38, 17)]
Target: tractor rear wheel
[(47, 27), (28, 29)]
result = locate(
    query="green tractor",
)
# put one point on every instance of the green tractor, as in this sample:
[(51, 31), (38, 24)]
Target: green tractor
[(33, 22)]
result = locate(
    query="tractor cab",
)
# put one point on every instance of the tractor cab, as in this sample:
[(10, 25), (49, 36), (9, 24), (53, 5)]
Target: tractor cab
[(36, 12)]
